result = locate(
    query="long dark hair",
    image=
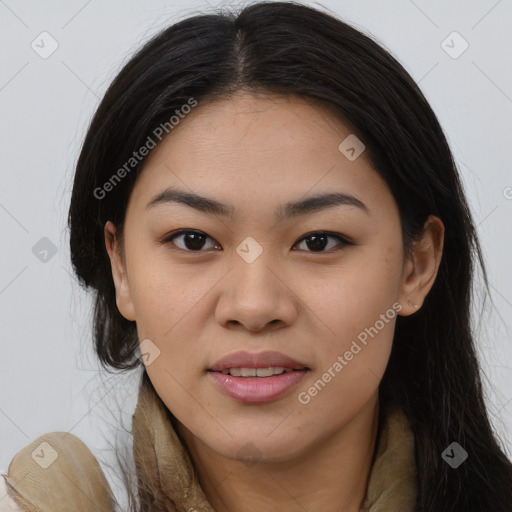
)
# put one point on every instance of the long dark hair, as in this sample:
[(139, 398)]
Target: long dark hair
[(288, 48)]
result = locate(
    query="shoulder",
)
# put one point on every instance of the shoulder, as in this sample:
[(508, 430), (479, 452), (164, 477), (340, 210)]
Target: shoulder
[(56, 472)]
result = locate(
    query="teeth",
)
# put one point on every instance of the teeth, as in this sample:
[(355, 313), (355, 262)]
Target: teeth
[(248, 372), (257, 372), (267, 372)]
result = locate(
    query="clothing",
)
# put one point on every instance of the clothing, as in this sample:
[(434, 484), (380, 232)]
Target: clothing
[(75, 481)]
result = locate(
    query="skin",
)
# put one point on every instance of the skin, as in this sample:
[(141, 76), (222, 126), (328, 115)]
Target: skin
[(257, 152)]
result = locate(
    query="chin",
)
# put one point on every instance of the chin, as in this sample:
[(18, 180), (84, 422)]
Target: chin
[(254, 447)]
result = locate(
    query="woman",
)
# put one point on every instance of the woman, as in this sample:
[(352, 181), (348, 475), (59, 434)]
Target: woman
[(270, 217)]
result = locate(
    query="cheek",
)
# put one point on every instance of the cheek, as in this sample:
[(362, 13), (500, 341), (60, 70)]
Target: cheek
[(351, 299), (166, 305), (350, 371), (356, 311), (353, 363), (169, 303), (165, 295)]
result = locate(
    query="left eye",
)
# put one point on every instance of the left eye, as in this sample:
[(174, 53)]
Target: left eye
[(317, 241), (193, 241)]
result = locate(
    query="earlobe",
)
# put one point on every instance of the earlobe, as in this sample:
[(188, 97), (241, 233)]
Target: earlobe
[(123, 295), (420, 269)]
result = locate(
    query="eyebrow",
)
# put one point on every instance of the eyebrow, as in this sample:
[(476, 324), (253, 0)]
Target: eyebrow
[(288, 210)]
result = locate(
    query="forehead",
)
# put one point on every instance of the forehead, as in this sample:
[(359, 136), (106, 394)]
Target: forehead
[(259, 123), (258, 147)]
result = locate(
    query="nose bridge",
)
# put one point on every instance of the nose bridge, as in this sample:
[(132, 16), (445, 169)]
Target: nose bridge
[(256, 295), (255, 270)]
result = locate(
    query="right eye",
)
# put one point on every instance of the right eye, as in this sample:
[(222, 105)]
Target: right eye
[(191, 240)]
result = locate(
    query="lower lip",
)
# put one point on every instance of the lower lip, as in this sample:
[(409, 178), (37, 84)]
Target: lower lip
[(257, 389)]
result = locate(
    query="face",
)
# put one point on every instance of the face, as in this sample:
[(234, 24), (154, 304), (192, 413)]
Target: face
[(312, 290)]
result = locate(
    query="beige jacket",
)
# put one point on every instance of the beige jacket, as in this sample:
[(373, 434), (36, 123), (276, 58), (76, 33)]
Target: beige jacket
[(57, 472)]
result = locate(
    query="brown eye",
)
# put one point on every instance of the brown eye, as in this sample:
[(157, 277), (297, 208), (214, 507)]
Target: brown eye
[(189, 240), (319, 241)]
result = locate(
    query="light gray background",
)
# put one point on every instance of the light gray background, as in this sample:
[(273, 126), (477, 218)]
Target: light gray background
[(50, 380)]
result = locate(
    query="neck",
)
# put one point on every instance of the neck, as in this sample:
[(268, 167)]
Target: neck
[(331, 476)]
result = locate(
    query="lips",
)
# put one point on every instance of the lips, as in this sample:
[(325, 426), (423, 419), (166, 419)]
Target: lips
[(256, 378), (257, 360)]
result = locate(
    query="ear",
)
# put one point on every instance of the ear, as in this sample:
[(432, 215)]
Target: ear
[(420, 269), (123, 295)]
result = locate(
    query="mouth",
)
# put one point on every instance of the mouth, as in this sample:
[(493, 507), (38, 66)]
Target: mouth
[(258, 372), (257, 377)]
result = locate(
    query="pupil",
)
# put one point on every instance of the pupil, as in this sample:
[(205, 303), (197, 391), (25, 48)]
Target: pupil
[(316, 242), (193, 241)]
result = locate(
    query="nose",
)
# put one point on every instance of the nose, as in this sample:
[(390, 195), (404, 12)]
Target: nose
[(257, 297)]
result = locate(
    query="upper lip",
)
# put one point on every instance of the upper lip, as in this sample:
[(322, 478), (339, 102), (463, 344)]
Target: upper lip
[(265, 359)]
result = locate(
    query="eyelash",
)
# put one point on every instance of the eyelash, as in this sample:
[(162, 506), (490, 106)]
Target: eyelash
[(344, 242)]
